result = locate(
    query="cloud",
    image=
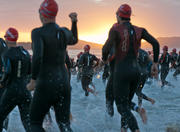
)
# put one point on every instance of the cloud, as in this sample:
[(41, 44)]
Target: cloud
[(98, 1)]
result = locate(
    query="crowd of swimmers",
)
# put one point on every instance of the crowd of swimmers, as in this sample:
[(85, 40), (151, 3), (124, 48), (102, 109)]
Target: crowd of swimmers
[(125, 66)]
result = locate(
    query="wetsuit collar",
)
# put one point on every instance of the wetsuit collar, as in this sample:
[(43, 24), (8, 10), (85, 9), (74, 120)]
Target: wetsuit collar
[(126, 23), (48, 24)]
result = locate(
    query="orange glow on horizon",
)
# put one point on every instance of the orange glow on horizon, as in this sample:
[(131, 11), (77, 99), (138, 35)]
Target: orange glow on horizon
[(24, 37), (95, 38), (97, 34)]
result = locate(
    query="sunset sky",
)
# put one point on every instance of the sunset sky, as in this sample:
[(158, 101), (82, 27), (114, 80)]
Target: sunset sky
[(160, 17)]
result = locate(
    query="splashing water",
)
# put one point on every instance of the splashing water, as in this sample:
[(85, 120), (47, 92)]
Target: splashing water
[(89, 112)]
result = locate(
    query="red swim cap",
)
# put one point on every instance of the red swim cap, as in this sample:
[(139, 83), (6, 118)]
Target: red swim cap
[(87, 48), (48, 9), (11, 34), (124, 11), (174, 50), (165, 48)]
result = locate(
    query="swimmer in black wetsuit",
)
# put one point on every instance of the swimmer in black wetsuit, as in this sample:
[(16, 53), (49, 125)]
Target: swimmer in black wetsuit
[(17, 67), (110, 95), (79, 69), (174, 57), (49, 74), (125, 38), (177, 72), (143, 61), (86, 62), (3, 48), (164, 61)]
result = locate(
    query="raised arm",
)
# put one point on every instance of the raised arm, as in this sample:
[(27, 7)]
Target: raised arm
[(74, 30)]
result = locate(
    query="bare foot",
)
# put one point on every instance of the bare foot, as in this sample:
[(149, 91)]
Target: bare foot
[(92, 91)]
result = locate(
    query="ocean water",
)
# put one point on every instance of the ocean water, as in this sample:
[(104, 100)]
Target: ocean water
[(89, 112)]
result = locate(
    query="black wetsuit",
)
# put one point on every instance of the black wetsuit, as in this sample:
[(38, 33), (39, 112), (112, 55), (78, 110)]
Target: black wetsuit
[(17, 64), (109, 90), (143, 61), (174, 58), (69, 65), (86, 61), (127, 73), (49, 44), (3, 48), (105, 73), (79, 74), (164, 61), (177, 72)]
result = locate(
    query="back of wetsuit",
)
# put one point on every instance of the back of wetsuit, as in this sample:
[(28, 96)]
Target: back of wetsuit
[(49, 44), (17, 63), (126, 49), (49, 49), (17, 66)]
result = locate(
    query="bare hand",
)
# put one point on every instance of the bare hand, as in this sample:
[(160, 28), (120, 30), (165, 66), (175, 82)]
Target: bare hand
[(31, 86), (152, 101), (154, 70), (73, 16)]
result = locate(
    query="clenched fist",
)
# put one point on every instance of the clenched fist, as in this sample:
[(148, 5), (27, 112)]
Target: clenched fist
[(73, 16)]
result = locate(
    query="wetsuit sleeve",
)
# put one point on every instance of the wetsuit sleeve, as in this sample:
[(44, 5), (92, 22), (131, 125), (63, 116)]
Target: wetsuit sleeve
[(96, 59), (37, 47), (7, 70), (74, 32), (71, 37), (141, 95), (149, 38), (108, 45)]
